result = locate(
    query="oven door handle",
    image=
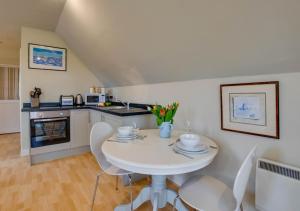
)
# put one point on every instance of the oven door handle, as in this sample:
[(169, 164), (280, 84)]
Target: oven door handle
[(50, 120)]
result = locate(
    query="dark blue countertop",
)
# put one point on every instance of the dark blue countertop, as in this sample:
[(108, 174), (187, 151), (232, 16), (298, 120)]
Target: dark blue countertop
[(135, 109)]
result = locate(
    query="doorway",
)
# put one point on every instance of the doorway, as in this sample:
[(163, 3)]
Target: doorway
[(9, 99)]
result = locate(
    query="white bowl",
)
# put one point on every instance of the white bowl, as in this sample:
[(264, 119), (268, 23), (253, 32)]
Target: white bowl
[(125, 131), (189, 140)]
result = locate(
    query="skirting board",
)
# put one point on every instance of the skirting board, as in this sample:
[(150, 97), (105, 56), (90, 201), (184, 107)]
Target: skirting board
[(24, 152), (39, 158)]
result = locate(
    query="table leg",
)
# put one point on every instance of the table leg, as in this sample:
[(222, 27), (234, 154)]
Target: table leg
[(143, 196), (155, 201), (157, 193)]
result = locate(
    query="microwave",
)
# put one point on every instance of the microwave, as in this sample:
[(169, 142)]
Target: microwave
[(94, 98)]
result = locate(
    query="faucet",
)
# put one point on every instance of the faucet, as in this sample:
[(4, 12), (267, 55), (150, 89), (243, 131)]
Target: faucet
[(127, 104)]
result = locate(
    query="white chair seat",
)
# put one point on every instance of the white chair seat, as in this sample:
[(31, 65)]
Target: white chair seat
[(206, 193), (115, 171)]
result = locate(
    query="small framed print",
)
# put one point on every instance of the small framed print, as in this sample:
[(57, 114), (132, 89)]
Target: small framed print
[(47, 57), (251, 108)]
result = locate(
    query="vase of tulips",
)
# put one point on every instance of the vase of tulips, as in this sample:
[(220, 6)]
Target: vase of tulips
[(164, 118)]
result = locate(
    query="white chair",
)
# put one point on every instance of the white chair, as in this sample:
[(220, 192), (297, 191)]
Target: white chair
[(99, 133), (206, 193)]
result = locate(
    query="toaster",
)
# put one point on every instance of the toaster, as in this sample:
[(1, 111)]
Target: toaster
[(66, 100)]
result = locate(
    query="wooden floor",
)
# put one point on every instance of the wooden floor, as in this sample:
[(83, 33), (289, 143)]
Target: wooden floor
[(65, 184)]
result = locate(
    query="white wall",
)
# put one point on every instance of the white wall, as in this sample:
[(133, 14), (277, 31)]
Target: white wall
[(200, 103), (9, 116), (77, 78)]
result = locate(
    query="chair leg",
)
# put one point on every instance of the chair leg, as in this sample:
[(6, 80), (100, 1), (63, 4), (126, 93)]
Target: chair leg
[(174, 203), (130, 185), (117, 183), (95, 190), (241, 207)]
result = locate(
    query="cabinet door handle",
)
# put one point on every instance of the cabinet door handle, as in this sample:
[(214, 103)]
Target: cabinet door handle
[(50, 120)]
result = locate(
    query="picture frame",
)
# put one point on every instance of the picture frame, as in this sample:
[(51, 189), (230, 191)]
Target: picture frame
[(45, 57), (251, 108)]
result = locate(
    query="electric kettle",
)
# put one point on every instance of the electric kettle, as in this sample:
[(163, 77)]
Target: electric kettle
[(79, 100)]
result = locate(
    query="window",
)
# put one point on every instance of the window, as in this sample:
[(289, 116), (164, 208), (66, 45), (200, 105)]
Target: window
[(9, 83)]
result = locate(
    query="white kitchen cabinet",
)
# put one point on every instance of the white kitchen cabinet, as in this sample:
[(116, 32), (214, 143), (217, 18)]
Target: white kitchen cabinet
[(95, 116), (114, 121), (80, 131), (142, 121), (146, 121), (81, 122)]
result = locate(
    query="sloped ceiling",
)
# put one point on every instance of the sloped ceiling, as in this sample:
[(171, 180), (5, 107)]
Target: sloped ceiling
[(148, 41), (43, 14)]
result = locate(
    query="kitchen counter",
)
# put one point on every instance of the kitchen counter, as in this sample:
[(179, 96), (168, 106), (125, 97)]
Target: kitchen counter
[(135, 109)]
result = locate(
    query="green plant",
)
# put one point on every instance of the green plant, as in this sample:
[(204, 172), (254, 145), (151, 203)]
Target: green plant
[(165, 113)]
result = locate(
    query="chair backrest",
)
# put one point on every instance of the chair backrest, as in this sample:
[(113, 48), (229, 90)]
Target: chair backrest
[(99, 133), (242, 177)]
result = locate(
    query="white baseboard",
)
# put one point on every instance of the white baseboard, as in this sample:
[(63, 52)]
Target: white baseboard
[(24, 152), (48, 156)]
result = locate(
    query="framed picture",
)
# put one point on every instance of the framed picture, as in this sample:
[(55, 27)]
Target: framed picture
[(47, 57), (251, 108)]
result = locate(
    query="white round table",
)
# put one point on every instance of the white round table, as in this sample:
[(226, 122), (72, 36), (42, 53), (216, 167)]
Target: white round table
[(153, 156)]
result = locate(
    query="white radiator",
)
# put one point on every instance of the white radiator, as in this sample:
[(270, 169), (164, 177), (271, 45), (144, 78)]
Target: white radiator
[(277, 186)]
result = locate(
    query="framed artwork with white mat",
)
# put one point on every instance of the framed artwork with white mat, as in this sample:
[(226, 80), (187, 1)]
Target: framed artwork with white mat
[(251, 108)]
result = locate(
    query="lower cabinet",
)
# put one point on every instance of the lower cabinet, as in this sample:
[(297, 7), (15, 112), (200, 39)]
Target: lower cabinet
[(146, 121), (114, 121), (141, 121), (95, 116), (82, 122), (80, 131)]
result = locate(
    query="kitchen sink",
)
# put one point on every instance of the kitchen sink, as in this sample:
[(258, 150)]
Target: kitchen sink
[(130, 110), (114, 107), (123, 109)]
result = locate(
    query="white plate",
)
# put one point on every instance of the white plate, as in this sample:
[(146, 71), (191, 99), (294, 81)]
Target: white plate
[(131, 135), (191, 152), (197, 148), (124, 139), (127, 137)]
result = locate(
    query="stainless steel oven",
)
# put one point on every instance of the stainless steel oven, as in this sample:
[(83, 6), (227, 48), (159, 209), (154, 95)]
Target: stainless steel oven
[(49, 127)]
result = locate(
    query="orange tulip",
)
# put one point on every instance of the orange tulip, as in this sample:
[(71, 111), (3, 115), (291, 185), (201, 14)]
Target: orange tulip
[(162, 112)]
